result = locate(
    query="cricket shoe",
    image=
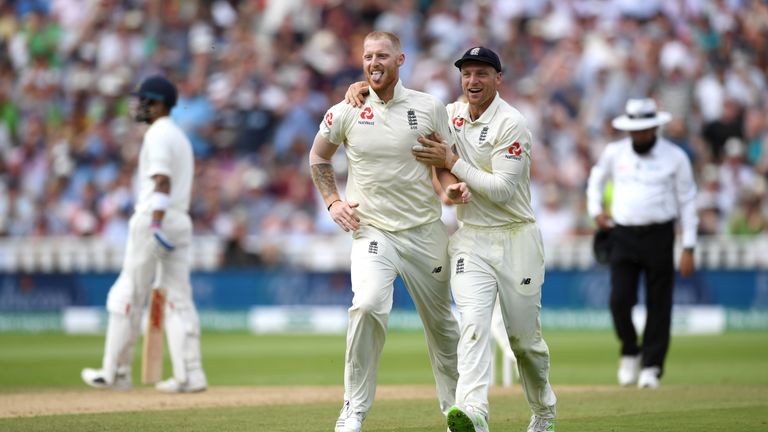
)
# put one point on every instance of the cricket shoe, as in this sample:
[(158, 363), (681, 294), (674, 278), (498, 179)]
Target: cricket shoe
[(629, 366), (649, 378), (349, 421), (96, 378), (541, 424), (466, 420), (194, 384)]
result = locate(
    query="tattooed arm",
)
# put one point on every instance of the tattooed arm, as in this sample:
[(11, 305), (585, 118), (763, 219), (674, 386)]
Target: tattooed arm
[(342, 212)]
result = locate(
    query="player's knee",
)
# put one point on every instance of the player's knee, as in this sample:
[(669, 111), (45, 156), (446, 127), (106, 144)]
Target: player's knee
[(121, 304), (366, 307), (617, 302), (528, 349)]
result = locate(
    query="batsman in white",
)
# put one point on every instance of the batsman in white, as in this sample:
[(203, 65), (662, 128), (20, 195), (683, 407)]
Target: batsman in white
[(498, 248), (157, 253), (394, 215)]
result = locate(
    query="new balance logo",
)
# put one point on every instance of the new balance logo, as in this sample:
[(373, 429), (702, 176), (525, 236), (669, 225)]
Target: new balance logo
[(373, 247), (437, 269), (525, 281), (460, 266)]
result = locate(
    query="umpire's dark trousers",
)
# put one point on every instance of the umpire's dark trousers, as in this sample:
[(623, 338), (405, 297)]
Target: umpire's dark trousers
[(644, 249)]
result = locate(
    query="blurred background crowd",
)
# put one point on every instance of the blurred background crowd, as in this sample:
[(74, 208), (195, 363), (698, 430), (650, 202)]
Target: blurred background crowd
[(256, 76)]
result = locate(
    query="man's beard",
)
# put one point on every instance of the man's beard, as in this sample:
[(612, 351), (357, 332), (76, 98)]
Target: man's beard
[(643, 147), (142, 112)]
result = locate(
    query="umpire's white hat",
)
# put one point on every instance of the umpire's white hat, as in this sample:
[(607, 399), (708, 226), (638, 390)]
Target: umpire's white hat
[(641, 114)]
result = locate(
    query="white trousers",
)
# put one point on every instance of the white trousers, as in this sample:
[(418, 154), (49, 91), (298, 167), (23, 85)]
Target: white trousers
[(142, 270), (509, 262), (419, 256)]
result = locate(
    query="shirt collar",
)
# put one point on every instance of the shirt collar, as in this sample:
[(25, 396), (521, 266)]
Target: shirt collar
[(399, 92), (487, 115)]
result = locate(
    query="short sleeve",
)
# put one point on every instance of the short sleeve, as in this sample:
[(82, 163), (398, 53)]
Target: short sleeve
[(159, 152), (335, 124), (442, 124)]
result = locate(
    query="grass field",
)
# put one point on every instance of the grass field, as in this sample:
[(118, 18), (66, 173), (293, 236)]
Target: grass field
[(712, 383)]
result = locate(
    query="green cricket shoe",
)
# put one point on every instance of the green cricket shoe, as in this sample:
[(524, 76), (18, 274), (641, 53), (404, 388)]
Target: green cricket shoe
[(466, 420)]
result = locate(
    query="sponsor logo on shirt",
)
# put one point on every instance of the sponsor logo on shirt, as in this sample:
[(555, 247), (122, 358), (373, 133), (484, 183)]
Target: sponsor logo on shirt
[(412, 122), (366, 115), (458, 122), (514, 151), (437, 269), (329, 119)]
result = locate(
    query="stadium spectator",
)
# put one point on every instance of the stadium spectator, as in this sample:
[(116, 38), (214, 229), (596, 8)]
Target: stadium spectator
[(68, 68)]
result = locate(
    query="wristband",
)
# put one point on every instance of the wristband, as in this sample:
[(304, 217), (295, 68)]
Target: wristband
[(332, 203), (156, 223), (159, 201)]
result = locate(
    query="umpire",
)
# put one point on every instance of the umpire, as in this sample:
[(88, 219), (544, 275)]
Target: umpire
[(653, 186)]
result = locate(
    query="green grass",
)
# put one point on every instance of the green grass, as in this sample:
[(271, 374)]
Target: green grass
[(712, 383)]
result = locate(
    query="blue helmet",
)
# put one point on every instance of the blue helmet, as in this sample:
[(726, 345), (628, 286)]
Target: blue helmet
[(158, 88)]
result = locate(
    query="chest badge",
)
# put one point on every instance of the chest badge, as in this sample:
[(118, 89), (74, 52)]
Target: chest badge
[(412, 121), (484, 135)]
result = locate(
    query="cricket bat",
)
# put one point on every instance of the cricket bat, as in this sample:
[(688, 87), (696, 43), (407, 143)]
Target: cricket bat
[(152, 355)]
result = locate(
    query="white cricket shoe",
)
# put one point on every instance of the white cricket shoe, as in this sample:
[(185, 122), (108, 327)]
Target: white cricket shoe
[(194, 384), (466, 420), (649, 378), (348, 420), (629, 366), (541, 424), (96, 378)]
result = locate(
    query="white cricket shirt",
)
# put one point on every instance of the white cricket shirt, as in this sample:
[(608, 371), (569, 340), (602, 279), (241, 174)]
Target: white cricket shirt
[(653, 188), (167, 151), (495, 161), (393, 189)]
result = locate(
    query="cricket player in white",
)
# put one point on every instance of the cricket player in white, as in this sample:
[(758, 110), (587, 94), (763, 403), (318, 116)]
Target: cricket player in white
[(394, 214), (157, 253), (498, 248)]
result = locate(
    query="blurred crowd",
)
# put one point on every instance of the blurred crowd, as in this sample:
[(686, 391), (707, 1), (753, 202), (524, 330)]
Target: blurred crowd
[(256, 76)]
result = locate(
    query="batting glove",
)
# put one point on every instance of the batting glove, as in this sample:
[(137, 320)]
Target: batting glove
[(163, 246)]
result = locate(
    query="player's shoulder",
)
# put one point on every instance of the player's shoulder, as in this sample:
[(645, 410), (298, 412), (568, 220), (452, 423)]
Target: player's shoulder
[(421, 98), (162, 127), (507, 111), (342, 108), (455, 108)]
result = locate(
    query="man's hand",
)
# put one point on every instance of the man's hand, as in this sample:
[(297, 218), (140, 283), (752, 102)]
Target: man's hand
[(356, 94), (687, 263), (163, 246), (458, 193), (433, 150), (343, 213), (603, 221)]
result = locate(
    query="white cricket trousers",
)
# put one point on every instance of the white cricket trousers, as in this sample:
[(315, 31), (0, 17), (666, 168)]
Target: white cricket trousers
[(142, 270), (419, 256), (508, 261)]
